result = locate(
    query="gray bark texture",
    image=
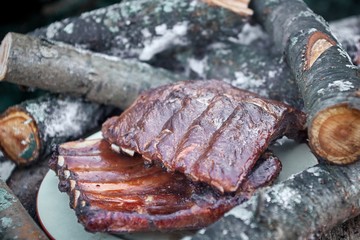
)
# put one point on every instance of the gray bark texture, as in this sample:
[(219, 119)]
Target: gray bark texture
[(25, 182), (57, 118), (142, 29), (118, 40), (192, 54), (328, 81), (128, 29), (62, 68), (347, 31), (15, 221), (302, 207)]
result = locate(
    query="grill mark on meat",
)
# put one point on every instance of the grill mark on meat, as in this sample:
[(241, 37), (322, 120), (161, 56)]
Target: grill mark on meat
[(168, 133), (121, 130), (163, 115), (174, 130), (154, 119), (156, 201), (203, 167), (178, 101), (114, 131), (226, 159), (152, 97), (220, 145), (192, 145)]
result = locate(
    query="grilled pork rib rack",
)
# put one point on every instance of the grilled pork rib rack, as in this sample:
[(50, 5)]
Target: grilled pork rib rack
[(209, 130), (113, 192)]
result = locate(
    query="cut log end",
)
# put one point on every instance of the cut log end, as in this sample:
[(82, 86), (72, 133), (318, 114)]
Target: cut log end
[(4, 55), (335, 134), (19, 138), (237, 6)]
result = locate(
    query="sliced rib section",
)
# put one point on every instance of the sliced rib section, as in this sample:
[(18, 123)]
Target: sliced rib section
[(209, 130), (113, 192)]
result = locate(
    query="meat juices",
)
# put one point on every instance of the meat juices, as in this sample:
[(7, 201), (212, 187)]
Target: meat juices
[(209, 130), (115, 193)]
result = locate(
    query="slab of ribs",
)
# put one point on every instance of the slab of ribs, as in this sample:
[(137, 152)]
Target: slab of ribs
[(178, 158)]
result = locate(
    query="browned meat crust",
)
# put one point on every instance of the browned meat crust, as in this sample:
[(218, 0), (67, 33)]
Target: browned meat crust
[(116, 193), (209, 130)]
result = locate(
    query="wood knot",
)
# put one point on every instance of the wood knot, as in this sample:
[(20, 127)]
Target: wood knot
[(317, 44)]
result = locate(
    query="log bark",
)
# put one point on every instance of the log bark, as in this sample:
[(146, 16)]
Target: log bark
[(347, 31), (346, 231), (62, 68), (6, 167), (302, 207), (30, 129), (25, 182), (199, 59), (328, 81), (247, 67), (257, 76), (115, 30), (144, 29), (16, 223)]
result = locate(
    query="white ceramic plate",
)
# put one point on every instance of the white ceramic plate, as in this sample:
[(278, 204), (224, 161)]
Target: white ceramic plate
[(60, 222)]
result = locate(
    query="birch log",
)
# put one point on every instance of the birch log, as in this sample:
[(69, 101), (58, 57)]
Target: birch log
[(25, 183), (346, 231), (142, 29), (62, 68), (117, 31), (328, 80), (6, 167), (302, 207), (347, 31), (245, 42), (16, 223), (247, 67), (30, 129)]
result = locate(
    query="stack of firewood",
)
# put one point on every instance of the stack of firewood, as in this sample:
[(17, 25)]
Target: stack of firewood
[(95, 65)]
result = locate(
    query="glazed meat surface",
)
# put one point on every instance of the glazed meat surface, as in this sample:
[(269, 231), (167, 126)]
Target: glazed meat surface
[(115, 193), (208, 130)]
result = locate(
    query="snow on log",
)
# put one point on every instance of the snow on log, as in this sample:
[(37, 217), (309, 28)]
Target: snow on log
[(62, 68), (28, 130), (328, 80), (301, 207)]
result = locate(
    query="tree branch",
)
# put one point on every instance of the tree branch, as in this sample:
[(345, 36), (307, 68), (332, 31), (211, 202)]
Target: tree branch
[(142, 29), (301, 207), (16, 223), (28, 130), (62, 68), (328, 81)]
